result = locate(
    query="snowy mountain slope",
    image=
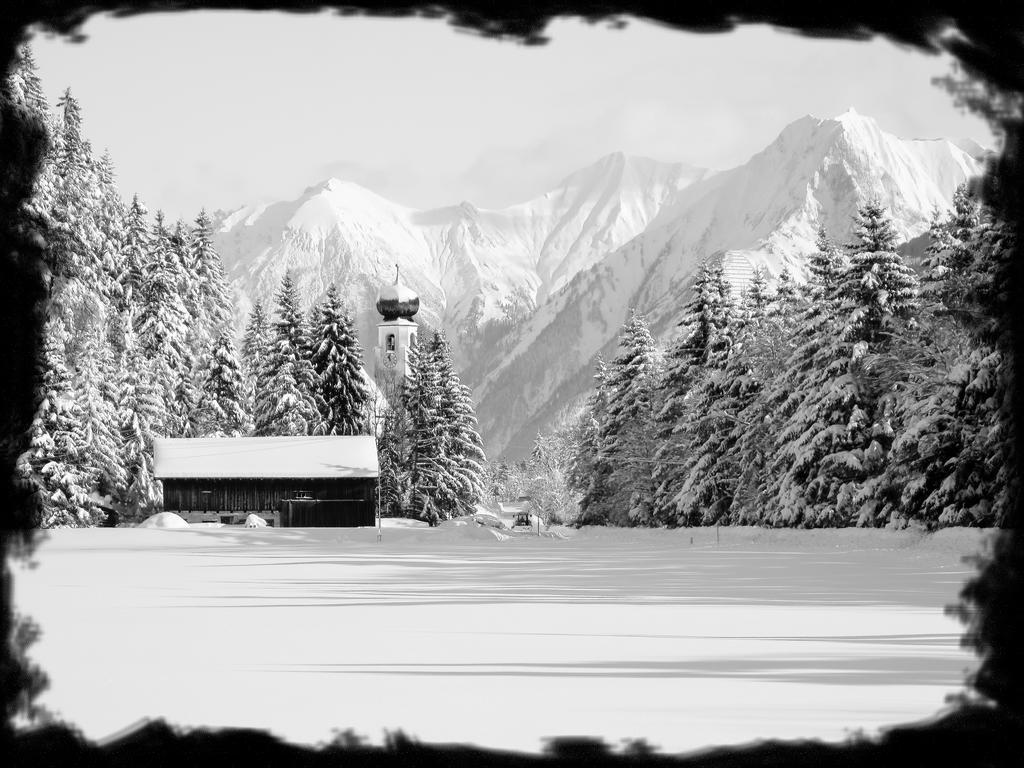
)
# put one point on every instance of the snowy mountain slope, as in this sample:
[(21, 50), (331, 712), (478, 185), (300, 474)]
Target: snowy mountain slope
[(816, 171), (469, 266), (530, 294)]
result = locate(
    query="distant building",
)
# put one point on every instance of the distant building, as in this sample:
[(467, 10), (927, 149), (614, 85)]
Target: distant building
[(396, 333), (291, 481)]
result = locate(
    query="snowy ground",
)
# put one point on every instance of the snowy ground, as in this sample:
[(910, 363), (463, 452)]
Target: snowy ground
[(456, 635)]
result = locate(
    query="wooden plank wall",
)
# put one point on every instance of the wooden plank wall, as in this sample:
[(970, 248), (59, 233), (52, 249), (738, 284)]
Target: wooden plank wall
[(326, 514), (262, 495)]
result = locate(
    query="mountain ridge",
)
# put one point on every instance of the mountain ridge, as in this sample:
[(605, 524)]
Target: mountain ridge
[(531, 293)]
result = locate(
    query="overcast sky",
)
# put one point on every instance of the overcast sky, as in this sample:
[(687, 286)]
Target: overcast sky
[(218, 109)]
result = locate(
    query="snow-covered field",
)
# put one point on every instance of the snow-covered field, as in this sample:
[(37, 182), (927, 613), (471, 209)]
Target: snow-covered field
[(464, 634)]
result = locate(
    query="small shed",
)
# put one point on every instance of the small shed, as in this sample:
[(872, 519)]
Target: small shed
[(328, 481)]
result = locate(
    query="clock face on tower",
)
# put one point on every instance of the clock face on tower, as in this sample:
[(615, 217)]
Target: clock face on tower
[(390, 359)]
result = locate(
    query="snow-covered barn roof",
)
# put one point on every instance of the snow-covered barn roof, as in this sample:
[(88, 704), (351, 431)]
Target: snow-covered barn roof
[(266, 457)]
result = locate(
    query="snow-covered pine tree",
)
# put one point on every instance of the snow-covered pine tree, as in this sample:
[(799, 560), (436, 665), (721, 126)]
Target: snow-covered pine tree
[(96, 394), (214, 298), (585, 474), (950, 464), (390, 486), (285, 396), (134, 256), (179, 241), (312, 326), (255, 347), (343, 397), (141, 408), (756, 366), (787, 292), (437, 374), (834, 429), (161, 324), (53, 464), (880, 304), (23, 85), (424, 465), (222, 410), (71, 199), (757, 296), (948, 260), (109, 214), (256, 340), (703, 344), (469, 449), (873, 229), (461, 463), (625, 434), (717, 418), (878, 288), (826, 267)]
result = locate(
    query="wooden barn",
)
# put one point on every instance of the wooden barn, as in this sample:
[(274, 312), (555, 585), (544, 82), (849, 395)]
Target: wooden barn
[(289, 481)]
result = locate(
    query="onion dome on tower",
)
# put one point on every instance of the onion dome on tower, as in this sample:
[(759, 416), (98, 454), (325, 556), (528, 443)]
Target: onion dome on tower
[(395, 301)]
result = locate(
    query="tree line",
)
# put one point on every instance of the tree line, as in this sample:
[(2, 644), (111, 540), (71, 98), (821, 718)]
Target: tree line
[(872, 395)]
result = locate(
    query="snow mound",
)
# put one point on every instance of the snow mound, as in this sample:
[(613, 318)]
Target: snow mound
[(402, 522), (489, 519), (255, 521), (466, 529), (164, 520)]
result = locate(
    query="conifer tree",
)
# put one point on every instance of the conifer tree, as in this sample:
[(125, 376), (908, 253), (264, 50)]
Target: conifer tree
[(419, 401), (134, 256), (69, 202), (585, 473), (213, 296), (787, 292), (183, 405), (718, 419), (109, 215), (826, 267), (96, 394), (877, 287), (285, 403), (625, 433), (222, 408), (950, 463), (702, 345), (23, 85), (389, 457), (757, 296), (948, 258), (257, 339), (72, 153), (312, 325), (142, 416), (53, 463), (873, 229), (835, 429), (162, 320), (461, 456), (343, 397)]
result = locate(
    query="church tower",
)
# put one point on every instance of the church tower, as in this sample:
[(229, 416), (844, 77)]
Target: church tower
[(396, 332)]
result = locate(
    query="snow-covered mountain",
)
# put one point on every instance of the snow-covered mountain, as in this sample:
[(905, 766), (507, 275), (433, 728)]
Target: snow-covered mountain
[(470, 266), (532, 293)]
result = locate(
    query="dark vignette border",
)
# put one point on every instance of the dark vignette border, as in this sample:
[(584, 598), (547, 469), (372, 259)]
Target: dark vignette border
[(989, 42)]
